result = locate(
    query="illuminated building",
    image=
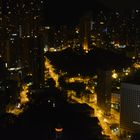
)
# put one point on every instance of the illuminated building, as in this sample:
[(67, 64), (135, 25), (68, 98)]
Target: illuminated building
[(85, 32), (20, 19), (104, 90), (37, 62), (8, 88), (130, 107), (58, 37), (21, 24), (1, 30), (137, 44), (0, 16)]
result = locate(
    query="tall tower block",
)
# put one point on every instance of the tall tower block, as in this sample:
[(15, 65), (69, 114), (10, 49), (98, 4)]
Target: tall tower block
[(85, 31)]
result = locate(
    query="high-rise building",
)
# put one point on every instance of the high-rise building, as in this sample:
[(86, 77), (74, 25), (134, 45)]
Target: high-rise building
[(85, 31), (0, 14), (130, 107), (1, 29), (37, 62), (104, 90), (21, 24), (20, 19)]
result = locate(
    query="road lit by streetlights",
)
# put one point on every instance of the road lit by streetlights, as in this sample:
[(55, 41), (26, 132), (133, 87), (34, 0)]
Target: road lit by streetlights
[(51, 71), (99, 114), (18, 108), (23, 95)]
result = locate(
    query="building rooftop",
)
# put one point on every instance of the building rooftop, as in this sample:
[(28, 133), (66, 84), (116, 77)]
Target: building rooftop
[(134, 78), (87, 64)]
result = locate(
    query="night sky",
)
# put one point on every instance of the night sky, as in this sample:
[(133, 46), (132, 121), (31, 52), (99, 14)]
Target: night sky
[(69, 11)]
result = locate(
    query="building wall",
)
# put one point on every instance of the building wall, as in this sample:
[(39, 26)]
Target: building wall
[(85, 31), (19, 20), (104, 90), (130, 107), (37, 62)]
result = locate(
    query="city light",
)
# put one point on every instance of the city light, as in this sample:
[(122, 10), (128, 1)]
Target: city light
[(23, 95), (136, 65), (58, 129), (114, 75), (14, 110), (91, 61), (18, 109), (52, 73), (101, 22)]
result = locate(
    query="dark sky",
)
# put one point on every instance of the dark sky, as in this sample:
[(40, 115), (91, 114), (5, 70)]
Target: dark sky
[(121, 4), (69, 11)]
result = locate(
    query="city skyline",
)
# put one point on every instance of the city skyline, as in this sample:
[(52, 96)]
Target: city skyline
[(63, 65)]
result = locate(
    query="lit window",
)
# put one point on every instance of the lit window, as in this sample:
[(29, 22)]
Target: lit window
[(101, 22)]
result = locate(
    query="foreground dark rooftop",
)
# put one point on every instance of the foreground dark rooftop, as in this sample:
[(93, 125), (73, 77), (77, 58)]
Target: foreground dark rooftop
[(38, 122)]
